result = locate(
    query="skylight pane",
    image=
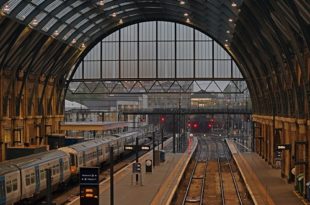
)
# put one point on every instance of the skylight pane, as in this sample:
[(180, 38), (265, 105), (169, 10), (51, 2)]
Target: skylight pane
[(72, 18), (37, 2), (76, 3), (40, 16), (51, 22), (53, 5), (68, 34), (12, 4), (85, 10), (81, 23), (63, 12), (25, 12)]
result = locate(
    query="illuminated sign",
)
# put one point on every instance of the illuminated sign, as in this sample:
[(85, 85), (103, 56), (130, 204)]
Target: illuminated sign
[(283, 147), (89, 185), (145, 147)]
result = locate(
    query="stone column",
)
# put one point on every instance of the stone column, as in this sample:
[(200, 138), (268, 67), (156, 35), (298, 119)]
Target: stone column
[(286, 155)]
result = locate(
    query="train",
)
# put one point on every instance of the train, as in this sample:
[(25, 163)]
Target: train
[(24, 179)]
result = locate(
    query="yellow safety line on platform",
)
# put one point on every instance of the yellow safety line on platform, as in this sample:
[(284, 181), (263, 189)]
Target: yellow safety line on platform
[(257, 199), (170, 185)]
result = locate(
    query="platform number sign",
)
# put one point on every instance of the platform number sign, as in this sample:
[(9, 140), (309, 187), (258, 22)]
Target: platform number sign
[(89, 186)]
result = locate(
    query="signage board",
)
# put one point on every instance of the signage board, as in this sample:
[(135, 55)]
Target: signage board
[(129, 147), (283, 147), (89, 185), (145, 147), (136, 167)]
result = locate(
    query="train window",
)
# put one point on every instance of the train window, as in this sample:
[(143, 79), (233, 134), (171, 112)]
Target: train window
[(8, 187), (42, 174), (14, 183), (72, 161), (27, 179), (32, 178), (57, 169), (66, 165), (53, 170)]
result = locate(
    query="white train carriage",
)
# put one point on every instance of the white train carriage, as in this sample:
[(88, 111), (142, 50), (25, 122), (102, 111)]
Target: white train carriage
[(90, 153), (10, 184), (24, 178), (33, 171)]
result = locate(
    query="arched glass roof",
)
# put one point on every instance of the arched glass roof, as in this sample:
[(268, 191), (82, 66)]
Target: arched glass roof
[(77, 21)]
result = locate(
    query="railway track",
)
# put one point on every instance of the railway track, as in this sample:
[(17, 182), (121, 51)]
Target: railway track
[(195, 189), (229, 188)]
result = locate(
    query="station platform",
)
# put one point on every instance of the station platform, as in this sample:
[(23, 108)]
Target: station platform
[(263, 182), (157, 187)]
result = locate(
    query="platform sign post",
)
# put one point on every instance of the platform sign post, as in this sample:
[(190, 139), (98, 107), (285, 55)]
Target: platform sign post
[(89, 185)]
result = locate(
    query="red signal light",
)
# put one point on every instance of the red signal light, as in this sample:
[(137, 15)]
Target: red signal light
[(195, 125), (162, 119), (209, 125), (189, 124)]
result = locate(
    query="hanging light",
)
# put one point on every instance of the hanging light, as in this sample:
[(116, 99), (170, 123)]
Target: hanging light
[(233, 4), (226, 45), (188, 20), (34, 22), (73, 41), (230, 20), (6, 8), (83, 45), (182, 2), (100, 2), (114, 15), (121, 21), (185, 14), (56, 33), (226, 40), (228, 31)]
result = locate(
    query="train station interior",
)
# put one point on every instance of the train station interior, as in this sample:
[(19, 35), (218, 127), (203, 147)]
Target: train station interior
[(213, 94)]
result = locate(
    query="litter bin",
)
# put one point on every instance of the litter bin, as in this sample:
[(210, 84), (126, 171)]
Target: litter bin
[(308, 190), (162, 156), (300, 183)]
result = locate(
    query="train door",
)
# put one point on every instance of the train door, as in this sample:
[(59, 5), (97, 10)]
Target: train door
[(2, 191), (84, 160), (97, 151), (61, 170), (37, 175)]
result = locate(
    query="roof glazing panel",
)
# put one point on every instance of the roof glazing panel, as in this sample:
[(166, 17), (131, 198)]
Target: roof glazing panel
[(53, 5), (64, 12), (50, 23), (72, 18), (25, 12), (37, 2), (12, 4)]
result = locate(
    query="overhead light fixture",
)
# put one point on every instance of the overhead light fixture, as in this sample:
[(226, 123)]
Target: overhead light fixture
[(73, 41), (188, 20), (233, 4), (121, 21), (6, 8), (56, 33), (226, 40), (83, 45), (100, 2), (228, 31), (226, 45), (182, 2), (34, 22), (114, 14), (230, 20), (185, 14)]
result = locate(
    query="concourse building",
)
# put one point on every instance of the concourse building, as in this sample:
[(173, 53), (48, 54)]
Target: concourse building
[(48, 45)]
